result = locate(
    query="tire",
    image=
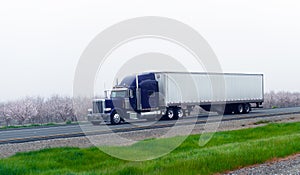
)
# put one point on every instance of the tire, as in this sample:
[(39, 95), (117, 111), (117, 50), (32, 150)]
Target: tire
[(180, 113), (247, 108), (239, 109), (115, 118), (171, 114)]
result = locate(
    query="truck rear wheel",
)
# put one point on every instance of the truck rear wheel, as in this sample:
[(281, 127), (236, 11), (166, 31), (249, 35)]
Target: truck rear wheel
[(180, 113), (172, 114)]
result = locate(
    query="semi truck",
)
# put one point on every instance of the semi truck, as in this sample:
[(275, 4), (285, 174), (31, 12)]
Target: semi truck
[(173, 95)]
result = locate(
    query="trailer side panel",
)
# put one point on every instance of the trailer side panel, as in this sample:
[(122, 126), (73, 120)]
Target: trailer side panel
[(181, 88)]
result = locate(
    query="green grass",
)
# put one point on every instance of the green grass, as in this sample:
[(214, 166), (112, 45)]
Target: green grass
[(226, 151)]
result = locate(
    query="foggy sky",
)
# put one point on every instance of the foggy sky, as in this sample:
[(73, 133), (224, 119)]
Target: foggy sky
[(41, 42)]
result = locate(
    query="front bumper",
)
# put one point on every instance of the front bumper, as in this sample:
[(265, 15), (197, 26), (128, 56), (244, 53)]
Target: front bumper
[(99, 117)]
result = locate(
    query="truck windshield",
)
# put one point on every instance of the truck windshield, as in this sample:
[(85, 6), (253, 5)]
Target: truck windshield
[(117, 94)]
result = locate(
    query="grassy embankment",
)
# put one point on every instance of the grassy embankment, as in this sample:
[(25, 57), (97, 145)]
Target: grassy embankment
[(226, 151)]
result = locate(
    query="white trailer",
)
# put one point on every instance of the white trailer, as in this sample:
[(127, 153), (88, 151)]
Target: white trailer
[(235, 92)]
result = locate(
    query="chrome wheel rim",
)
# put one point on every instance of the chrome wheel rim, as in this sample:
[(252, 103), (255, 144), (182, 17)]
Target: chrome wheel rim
[(170, 114), (240, 108), (180, 113), (116, 118), (247, 108)]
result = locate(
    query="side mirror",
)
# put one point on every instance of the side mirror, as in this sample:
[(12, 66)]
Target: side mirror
[(130, 93)]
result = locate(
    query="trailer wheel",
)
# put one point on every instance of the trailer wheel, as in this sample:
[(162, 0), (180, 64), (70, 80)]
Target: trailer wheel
[(115, 118), (239, 109), (247, 108)]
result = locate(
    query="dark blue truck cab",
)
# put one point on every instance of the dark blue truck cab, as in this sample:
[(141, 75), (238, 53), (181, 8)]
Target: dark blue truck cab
[(136, 97)]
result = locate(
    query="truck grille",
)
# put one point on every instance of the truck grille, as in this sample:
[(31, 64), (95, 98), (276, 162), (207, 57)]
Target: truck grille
[(98, 106)]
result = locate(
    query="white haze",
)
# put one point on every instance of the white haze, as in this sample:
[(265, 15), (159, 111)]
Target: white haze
[(41, 41)]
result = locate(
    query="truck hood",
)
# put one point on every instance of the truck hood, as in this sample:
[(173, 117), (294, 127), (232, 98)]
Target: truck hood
[(113, 103)]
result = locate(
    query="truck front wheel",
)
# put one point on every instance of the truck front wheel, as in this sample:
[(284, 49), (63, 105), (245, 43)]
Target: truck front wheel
[(115, 118)]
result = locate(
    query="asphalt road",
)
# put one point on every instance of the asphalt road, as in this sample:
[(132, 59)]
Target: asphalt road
[(31, 134)]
